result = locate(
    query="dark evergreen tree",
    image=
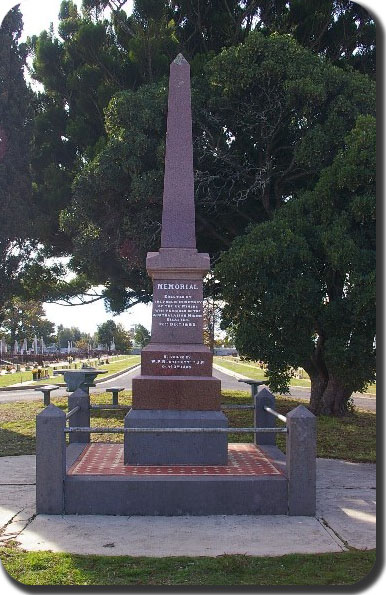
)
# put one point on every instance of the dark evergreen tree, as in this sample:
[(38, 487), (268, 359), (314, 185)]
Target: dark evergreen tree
[(269, 115), (300, 289), (15, 179)]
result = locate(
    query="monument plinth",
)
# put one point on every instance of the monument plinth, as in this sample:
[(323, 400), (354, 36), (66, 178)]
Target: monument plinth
[(176, 387)]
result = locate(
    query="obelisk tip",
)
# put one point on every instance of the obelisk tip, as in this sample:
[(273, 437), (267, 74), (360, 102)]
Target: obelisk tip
[(180, 60)]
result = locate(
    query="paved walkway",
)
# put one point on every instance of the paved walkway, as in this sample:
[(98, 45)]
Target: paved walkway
[(345, 518)]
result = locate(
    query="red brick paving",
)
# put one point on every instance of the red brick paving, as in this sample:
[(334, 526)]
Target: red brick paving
[(107, 459)]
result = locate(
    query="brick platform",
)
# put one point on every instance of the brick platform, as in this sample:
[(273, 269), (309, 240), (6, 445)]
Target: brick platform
[(107, 459)]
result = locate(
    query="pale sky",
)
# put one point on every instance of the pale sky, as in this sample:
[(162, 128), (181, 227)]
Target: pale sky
[(86, 318), (37, 15)]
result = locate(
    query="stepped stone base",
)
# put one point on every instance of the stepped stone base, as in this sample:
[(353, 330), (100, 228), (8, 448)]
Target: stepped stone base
[(177, 392), (175, 448)]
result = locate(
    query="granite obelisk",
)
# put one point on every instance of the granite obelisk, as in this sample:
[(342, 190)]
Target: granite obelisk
[(176, 387)]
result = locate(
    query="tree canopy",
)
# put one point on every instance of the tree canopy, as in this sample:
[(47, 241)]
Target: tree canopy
[(99, 128), (269, 115), (282, 93), (23, 271), (141, 335), (25, 319), (300, 288), (67, 334), (110, 331), (15, 180)]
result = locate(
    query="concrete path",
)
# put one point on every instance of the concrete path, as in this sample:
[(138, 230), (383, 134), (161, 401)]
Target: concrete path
[(345, 518)]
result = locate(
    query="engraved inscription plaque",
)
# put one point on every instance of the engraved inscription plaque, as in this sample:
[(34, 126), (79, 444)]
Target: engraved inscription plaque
[(177, 363), (177, 311)]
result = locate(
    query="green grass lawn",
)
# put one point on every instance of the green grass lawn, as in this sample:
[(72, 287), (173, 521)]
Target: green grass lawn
[(121, 364), (352, 437), (114, 366), (47, 568), (8, 379), (253, 371)]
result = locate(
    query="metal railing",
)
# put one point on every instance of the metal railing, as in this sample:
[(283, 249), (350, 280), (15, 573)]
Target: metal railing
[(107, 406), (233, 406), (275, 414), (72, 412), (122, 430)]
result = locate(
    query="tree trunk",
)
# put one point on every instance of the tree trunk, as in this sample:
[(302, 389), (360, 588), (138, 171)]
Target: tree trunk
[(319, 382), (335, 397), (318, 373)]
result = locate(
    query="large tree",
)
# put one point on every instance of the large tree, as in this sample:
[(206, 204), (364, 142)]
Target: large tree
[(110, 331), (141, 335), (269, 115), (300, 289), (97, 54), (25, 319), (15, 179), (81, 69), (340, 29), (23, 273)]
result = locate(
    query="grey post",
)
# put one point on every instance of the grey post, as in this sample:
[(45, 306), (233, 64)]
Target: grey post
[(79, 398), (79, 381), (263, 419), (50, 460), (46, 390), (301, 462), (115, 392)]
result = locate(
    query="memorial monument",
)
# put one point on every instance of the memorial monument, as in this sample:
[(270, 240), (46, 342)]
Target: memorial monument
[(175, 459), (176, 387)]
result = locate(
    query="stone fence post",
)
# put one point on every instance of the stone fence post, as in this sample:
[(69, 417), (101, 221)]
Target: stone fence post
[(263, 419), (50, 460), (79, 398), (301, 462)]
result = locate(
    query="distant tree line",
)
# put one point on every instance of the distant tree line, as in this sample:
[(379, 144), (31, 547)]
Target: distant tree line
[(27, 319)]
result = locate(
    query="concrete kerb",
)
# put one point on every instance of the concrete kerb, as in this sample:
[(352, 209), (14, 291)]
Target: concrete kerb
[(31, 385)]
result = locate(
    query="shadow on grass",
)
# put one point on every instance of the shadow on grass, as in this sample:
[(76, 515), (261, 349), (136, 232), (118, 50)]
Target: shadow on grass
[(14, 443)]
